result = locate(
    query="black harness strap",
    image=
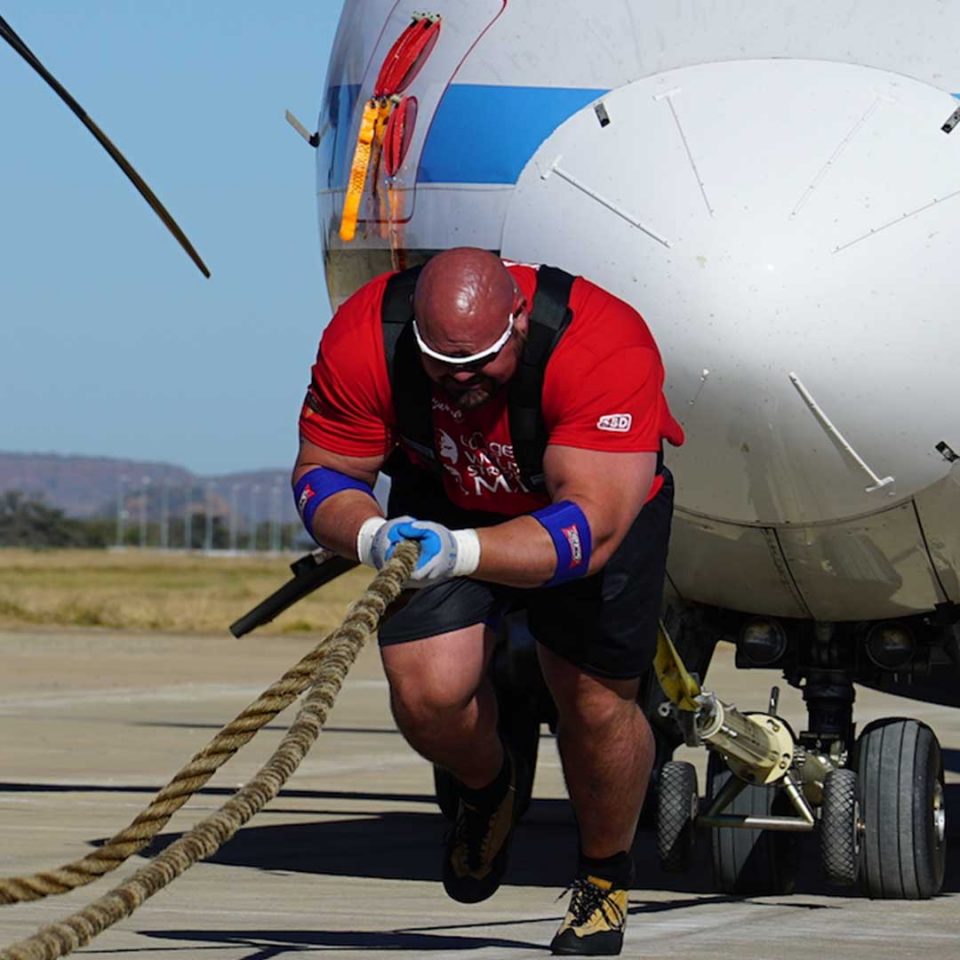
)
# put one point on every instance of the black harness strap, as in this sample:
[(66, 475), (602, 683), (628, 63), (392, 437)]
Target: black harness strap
[(549, 317), (411, 388)]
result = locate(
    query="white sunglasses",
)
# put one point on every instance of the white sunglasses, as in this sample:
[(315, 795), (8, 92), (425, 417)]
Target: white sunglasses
[(475, 359)]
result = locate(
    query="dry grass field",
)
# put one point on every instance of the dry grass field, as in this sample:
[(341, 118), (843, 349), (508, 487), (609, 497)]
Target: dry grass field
[(153, 590)]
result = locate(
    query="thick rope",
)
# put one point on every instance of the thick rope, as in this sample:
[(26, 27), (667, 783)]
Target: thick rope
[(340, 651), (185, 783)]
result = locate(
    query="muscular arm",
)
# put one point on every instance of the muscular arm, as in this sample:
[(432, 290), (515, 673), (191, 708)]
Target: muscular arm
[(338, 519), (610, 488)]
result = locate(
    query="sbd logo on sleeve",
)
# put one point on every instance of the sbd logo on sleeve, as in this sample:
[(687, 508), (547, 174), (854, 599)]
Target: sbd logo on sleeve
[(573, 539), (305, 497)]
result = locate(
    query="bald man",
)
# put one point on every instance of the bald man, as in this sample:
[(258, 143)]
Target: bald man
[(578, 540)]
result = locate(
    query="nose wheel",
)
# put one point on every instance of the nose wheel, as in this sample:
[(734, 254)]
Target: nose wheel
[(678, 804), (904, 821), (841, 828)]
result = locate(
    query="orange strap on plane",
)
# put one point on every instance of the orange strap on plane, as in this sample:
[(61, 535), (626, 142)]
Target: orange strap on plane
[(358, 171), (385, 107)]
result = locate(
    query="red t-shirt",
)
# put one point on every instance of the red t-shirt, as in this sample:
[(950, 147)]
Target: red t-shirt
[(602, 390)]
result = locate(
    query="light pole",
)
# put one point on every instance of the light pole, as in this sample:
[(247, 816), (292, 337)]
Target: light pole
[(254, 490), (275, 518), (208, 511), (165, 514), (121, 508), (144, 488), (188, 519), (233, 517)]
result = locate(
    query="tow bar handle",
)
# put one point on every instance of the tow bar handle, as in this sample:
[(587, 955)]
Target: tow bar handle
[(309, 573)]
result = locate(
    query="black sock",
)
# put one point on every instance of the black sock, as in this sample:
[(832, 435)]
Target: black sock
[(618, 869), (490, 795)]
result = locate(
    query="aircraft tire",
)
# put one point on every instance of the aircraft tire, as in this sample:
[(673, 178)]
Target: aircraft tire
[(677, 806), (904, 831), (840, 819), (756, 862)]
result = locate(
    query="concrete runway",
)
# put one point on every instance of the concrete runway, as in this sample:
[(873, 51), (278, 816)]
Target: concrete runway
[(345, 862)]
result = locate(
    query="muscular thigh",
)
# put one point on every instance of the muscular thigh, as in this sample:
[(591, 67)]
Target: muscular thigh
[(441, 671)]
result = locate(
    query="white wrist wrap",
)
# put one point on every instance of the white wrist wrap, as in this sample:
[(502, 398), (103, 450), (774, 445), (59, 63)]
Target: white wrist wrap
[(366, 533), (468, 552)]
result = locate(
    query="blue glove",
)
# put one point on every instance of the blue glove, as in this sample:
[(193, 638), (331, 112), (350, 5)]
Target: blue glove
[(443, 553)]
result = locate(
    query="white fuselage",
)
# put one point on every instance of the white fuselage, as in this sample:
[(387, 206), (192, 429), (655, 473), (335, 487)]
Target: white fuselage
[(770, 186)]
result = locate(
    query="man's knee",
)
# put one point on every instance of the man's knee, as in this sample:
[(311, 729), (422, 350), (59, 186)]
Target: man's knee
[(598, 709), (422, 702), (435, 681), (594, 703)]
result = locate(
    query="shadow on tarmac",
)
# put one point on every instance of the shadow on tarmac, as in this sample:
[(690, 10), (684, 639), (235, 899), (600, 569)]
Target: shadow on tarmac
[(273, 943), (274, 727), (396, 845), (406, 845), (151, 789), (402, 845), (267, 944)]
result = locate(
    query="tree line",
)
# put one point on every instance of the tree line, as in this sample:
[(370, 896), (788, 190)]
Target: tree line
[(27, 521)]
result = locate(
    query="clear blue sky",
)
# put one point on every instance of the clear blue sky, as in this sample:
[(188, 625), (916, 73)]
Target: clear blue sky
[(111, 341)]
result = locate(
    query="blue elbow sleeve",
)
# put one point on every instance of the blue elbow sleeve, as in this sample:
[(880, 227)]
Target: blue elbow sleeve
[(572, 540), (317, 485)]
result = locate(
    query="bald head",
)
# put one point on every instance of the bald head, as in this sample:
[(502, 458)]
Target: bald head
[(462, 300)]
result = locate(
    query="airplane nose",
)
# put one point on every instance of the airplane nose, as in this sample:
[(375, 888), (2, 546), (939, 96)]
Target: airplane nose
[(790, 231)]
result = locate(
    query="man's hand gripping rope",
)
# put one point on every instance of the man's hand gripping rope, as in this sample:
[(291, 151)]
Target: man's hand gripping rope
[(443, 554)]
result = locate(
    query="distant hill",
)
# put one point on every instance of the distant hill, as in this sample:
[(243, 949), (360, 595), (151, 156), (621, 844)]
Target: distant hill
[(86, 487)]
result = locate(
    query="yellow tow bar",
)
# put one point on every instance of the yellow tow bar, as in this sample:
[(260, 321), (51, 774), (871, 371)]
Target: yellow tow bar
[(759, 748)]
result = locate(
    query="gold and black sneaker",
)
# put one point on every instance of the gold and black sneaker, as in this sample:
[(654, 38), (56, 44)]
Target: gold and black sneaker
[(595, 920), (477, 847)]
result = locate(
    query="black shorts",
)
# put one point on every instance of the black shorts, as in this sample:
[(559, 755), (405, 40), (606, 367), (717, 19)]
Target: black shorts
[(606, 623)]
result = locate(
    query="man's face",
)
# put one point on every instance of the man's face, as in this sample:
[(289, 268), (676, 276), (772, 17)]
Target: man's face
[(470, 385)]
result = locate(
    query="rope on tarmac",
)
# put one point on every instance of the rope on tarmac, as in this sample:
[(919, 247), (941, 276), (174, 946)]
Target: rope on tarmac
[(339, 652), (185, 783)]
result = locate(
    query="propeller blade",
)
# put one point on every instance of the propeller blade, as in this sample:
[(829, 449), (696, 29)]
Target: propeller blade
[(10, 35)]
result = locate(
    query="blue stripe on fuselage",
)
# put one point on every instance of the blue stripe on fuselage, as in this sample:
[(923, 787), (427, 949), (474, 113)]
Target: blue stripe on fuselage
[(480, 133), (486, 134)]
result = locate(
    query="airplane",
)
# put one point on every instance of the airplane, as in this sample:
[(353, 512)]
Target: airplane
[(772, 187), (776, 189)]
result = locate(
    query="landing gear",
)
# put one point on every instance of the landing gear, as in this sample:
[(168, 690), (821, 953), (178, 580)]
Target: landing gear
[(695, 642), (678, 803), (877, 804), (904, 824)]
